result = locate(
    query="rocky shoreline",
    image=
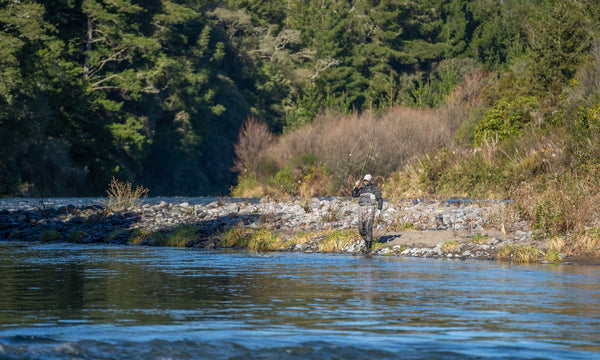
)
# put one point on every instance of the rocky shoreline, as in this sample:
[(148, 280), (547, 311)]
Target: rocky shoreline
[(410, 228)]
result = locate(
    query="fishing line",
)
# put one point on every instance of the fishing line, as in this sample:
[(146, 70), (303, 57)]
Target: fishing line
[(368, 151), (354, 147)]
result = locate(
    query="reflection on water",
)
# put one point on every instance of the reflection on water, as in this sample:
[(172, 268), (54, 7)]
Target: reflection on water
[(88, 302)]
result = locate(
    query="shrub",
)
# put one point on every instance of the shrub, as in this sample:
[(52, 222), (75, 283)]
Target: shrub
[(254, 137), (331, 214), (505, 119), (121, 195), (318, 159), (584, 243), (557, 206), (113, 235), (553, 256), (248, 186)]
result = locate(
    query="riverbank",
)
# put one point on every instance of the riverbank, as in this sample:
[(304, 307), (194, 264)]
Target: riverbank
[(450, 229)]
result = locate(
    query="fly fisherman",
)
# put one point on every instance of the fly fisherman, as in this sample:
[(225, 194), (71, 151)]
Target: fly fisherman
[(369, 197)]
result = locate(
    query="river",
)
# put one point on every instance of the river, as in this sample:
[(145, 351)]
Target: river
[(66, 301)]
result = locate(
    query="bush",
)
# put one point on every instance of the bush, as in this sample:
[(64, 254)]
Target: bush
[(121, 195), (248, 186), (557, 206), (254, 138), (331, 153), (138, 235), (504, 120)]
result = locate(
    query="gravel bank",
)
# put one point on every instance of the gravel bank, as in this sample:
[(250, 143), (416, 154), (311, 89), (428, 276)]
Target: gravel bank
[(409, 228)]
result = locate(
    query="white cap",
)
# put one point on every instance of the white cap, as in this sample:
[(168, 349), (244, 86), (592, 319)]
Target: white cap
[(368, 177)]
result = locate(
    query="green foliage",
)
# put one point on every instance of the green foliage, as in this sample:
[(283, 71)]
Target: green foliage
[(252, 239), (479, 239), (180, 237), (504, 120), (156, 93), (553, 256)]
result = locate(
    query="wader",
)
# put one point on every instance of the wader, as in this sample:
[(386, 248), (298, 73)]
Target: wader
[(367, 203)]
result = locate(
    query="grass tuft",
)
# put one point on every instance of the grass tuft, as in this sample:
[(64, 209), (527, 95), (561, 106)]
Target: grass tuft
[(521, 254), (479, 239), (450, 246), (179, 238), (252, 239), (138, 235), (337, 240)]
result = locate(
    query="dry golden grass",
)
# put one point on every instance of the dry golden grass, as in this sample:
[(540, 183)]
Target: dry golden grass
[(337, 240), (521, 254), (260, 239), (450, 246), (346, 146), (584, 243)]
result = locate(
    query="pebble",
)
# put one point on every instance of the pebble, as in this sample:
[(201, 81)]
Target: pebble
[(23, 220)]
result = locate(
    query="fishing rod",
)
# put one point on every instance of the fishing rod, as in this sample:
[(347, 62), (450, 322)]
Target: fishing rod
[(368, 151)]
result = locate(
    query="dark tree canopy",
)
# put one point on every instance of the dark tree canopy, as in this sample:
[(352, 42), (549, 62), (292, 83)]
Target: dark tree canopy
[(155, 92)]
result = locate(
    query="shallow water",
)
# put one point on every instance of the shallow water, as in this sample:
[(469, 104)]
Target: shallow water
[(65, 301)]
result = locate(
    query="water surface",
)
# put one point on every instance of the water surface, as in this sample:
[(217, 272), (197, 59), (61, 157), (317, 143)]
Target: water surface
[(65, 301)]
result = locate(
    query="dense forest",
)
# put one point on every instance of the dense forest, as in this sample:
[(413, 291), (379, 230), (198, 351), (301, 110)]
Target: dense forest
[(159, 92)]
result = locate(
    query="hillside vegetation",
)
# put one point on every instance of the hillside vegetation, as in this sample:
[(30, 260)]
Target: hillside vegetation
[(524, 127), (155, 92), (478, 99)]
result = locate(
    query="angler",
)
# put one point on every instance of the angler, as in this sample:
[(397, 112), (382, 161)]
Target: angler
[(370, 201)]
